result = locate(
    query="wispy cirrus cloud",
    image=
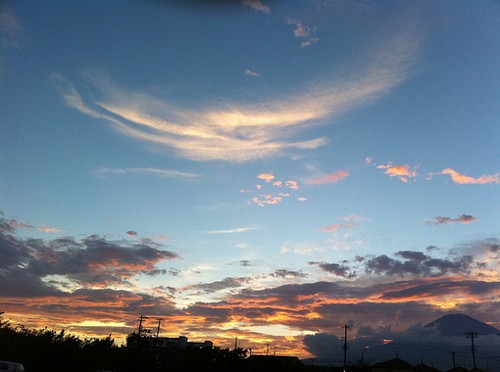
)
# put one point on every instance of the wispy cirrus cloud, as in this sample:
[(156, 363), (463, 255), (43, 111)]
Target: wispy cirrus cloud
[(232, 231), (170, 173), (467, 180), (257, 5), (10, 27), (243, 131), (463, 219), (329, 178)]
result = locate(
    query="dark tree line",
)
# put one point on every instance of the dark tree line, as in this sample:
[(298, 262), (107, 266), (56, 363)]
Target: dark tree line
[(49, 350)]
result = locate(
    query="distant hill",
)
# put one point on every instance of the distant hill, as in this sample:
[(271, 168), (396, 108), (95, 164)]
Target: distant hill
[(460, 324)]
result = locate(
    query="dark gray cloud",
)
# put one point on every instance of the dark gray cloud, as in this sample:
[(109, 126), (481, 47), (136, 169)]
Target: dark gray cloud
[(414, 345), (226, 283), (337, 269), (412, 255), (417, 264), (131, 233), (464, 219), (91, 261), (283, 273)]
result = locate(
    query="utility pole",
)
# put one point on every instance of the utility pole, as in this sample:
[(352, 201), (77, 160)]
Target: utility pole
[(141, 318), (235, 343), (159, 324), (472, 336), (345, 347), (453, 355)]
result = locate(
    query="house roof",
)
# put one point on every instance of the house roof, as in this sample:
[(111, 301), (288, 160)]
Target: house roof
[(393, 363)]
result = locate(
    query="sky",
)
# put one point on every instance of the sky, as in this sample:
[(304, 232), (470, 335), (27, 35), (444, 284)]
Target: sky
[(267, 170)]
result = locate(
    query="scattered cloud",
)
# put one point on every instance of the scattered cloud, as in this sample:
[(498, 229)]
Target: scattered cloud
[(170, 173), (50, 230), (329, 178), (463, 219), (303, 32), (268, 195), (335, 227), (268, 177), (252, 72), (257, 5), (292, 184), (131, 233), (467, 180), (403, 172)]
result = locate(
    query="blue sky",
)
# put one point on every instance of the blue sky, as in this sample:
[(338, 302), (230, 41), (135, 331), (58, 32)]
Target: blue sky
[(260, 144)]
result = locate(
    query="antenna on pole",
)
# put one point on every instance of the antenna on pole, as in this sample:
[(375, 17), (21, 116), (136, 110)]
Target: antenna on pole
[(472, 336)]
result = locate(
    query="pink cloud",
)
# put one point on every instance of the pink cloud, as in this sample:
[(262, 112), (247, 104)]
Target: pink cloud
[(257, 6), (292, 184), (268, 177), (467, 180), (301, 198), (403, 172), (131, 233), (278, 183), (329, 178), (335, 227), (267, 199)]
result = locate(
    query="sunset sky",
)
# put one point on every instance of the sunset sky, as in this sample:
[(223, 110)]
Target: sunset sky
[(267, 170)]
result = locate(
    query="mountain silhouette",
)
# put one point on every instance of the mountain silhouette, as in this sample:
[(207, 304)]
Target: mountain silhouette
[(460, 324)]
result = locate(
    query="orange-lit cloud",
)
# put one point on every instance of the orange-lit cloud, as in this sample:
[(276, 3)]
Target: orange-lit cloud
[(268, 177), (403, 172), (329, 178), (54, 283), (467, 180)]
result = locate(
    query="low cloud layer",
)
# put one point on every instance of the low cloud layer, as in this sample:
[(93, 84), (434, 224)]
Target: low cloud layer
[(34, 266)]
